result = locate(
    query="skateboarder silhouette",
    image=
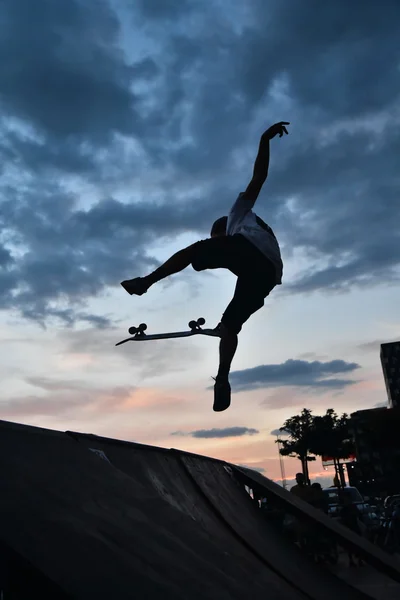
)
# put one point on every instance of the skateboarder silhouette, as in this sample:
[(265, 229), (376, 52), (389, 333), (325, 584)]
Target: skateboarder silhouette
[(242, 243)]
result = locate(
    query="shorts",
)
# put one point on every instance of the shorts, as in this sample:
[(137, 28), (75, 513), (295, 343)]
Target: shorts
[(256, 274)]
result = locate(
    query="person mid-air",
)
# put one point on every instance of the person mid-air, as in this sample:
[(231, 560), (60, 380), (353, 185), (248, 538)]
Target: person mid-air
[(242, 243)]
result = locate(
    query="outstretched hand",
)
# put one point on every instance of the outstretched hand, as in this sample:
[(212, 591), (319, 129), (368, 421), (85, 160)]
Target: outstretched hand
[(277, 128)]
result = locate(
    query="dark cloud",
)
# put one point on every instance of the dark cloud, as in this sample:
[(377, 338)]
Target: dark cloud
[(75, 254), (223, 433), (275, 432), (278, 432), (64, 71), (163, 9), (301, 373), (162, 124)]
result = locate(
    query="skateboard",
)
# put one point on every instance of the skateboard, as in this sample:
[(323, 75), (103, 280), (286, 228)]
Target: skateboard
[(195, 328)]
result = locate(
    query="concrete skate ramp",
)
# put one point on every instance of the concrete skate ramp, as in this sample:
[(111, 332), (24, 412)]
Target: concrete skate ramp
[(104, 519)]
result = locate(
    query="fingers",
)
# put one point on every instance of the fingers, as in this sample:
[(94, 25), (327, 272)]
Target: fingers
[(283, 128), (277, 129)]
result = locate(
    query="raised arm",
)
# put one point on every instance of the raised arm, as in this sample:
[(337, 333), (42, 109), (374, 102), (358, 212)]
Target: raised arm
[(261, 164)]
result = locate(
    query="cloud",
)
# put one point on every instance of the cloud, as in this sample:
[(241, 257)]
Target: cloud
[(146, 360), (163, 9), (375, 345), (57, 385), (258, 469), (71, 82), (112, 142), (66, 399), (381, 405), (223, 433), (67, 246), (275, 432), (301, 373), (278, 432), (77, 400)]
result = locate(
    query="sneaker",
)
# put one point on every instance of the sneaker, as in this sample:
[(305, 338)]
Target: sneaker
[(136, 286), (222, 394)]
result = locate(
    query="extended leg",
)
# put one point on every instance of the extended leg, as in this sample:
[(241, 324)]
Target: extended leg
[(248, 298), (227, 349), (178, 262)]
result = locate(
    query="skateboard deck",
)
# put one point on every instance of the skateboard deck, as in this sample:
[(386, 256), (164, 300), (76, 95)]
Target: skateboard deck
[(195, 328)]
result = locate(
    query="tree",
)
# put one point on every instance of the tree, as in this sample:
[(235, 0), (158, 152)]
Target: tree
[(299, 429), (310, 436), (331, 437)]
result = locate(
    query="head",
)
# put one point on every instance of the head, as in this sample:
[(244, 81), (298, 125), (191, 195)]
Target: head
[(219, 227), (316, 486), (300, 479)]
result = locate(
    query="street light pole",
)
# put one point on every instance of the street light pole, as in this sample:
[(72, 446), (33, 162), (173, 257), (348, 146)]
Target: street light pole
[(283, 475)]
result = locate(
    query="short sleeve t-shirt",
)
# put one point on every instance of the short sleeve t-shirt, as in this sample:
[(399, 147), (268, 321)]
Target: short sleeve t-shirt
[(243, 220)]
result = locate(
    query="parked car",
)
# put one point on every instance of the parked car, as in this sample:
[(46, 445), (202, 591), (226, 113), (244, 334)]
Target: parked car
[(391, 501), (367, 516)]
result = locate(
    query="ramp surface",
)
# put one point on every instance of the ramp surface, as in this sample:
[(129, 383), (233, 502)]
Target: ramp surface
[(106, 519)]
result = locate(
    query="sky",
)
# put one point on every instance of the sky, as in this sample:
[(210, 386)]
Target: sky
[(127, 127)]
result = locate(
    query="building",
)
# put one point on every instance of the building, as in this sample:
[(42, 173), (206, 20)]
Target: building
[(377, 441), (390, 359)]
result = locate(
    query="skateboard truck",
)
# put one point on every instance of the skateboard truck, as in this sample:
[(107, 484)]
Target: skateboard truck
[(194, 325), (138, 331)]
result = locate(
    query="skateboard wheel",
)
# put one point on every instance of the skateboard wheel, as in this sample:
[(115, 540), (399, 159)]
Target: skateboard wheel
[(142, 327), (201, 321), (192, 324)]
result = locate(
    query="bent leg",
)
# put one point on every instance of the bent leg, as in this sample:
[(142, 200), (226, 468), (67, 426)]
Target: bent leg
[(178, 262), (212, 253)]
